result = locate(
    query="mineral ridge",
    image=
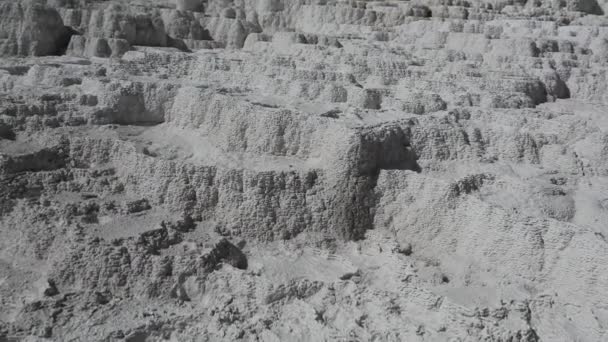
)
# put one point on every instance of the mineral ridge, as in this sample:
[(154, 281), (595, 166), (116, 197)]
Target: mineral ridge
[(304, 170)]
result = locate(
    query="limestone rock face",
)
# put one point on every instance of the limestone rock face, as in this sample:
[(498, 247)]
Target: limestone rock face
[(30, 28), (97, 47), (303, 170)]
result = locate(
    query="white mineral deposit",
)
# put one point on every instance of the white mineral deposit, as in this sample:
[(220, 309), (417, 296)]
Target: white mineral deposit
[(304, 170)]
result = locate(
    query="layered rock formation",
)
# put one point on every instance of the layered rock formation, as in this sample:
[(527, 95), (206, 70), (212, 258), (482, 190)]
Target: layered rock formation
[(286, 170)]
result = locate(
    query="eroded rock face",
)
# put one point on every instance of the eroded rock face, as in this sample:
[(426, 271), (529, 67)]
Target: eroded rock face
[(29, 28), (303, 170)]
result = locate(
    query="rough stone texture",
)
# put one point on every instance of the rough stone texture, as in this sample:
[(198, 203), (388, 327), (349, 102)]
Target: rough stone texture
[(295, 170), (29, 28)]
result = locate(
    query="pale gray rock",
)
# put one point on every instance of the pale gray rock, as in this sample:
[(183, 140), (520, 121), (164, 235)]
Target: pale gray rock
[(286, 170), (97, 47)]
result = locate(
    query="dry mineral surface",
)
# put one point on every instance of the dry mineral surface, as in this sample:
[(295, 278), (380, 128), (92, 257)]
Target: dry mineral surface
[(304, 170)]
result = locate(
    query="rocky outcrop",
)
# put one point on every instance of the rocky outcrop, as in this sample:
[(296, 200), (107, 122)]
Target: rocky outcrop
[(303, 170), (97, 47), (30, 28)]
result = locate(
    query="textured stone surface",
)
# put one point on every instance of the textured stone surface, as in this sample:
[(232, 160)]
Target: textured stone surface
[(30, 28), (295, 170)]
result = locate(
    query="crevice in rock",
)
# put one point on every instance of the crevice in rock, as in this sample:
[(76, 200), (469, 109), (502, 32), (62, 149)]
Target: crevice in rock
[(382, 148)]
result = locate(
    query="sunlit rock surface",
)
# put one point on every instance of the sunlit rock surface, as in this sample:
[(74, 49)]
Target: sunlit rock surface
[(295, 170)]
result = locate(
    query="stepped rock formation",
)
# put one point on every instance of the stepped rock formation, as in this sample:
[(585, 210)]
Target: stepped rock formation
[(303, 170)]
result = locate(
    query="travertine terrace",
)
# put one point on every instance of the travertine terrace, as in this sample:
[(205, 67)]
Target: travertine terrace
[(304, 170)]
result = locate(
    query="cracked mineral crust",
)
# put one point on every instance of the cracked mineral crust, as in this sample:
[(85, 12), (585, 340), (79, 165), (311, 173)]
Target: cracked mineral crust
[(304, 170)]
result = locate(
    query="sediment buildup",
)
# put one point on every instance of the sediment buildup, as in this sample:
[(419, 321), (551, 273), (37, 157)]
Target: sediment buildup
[(295, 170)]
